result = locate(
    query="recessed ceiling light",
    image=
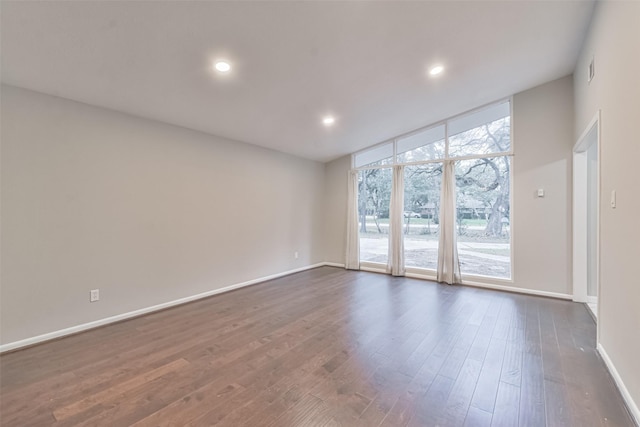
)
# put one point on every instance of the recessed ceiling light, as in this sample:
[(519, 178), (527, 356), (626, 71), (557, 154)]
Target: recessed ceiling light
[(223, 66), (328, 121), (438, 69)]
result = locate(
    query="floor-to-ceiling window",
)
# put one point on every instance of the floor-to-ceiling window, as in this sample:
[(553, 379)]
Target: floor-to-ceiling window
[(421, 215), (483, 190), (422, 152), (374, 191), (374, 194), (479, 144)]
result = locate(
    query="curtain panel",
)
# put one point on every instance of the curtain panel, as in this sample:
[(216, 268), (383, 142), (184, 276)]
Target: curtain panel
[(448, 270), (395, 263), (448, 262)]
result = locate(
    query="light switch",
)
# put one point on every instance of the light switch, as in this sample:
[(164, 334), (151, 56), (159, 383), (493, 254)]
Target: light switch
[(613, 199), (540, 192)]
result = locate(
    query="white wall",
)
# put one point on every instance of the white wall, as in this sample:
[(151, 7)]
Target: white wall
[(614, 42), (543, 138), (144, 211), (335, 208), (543, 141)]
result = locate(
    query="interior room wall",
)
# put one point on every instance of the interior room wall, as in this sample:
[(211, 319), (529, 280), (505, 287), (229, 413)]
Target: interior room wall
[(613, 42), (143, 211), (335, 209), (543, 141)]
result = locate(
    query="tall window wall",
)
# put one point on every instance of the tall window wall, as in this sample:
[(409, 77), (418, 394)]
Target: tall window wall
[(479, 143)]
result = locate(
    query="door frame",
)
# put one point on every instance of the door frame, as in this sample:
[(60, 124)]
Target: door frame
[(580, 233)]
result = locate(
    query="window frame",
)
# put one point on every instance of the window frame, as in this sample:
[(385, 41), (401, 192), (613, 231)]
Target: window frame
[(424, 273), (445, 123), (416, 132), (373, 266)]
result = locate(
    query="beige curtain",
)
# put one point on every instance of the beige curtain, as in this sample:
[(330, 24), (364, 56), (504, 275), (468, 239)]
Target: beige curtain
[(395, 263), (448, 263), (353, 240)]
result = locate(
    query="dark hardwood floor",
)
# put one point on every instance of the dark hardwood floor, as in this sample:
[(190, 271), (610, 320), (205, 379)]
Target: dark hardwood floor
[(325, 347)]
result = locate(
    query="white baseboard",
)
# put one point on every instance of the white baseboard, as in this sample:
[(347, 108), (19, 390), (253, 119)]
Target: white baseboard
[(334, 264), (421, 276), (518, 290), (90, 325), (505, 288), (373, 270), (631, 405), (594, 314)]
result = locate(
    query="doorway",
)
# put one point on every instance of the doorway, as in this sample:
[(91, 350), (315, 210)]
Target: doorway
[(586, 221)]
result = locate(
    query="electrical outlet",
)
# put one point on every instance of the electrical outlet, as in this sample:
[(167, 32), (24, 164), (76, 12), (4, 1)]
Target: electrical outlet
[(94, 295), (295, 254)]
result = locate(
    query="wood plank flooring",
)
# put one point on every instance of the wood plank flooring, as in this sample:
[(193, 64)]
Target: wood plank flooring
[(326, 347)]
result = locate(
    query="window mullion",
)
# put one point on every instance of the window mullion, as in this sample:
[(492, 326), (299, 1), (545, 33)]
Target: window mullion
[(446, 140)]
